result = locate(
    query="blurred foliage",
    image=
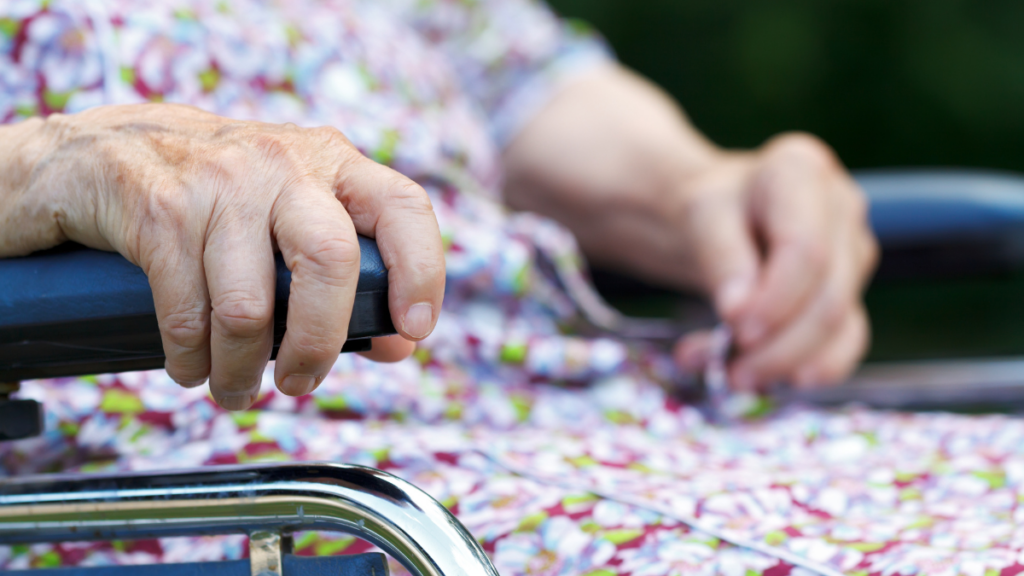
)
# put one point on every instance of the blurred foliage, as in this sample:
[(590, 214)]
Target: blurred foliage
[(965, 317), (886, 82)]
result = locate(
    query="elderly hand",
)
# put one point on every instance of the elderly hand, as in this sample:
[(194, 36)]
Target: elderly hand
[(777, 238), (201, 203)]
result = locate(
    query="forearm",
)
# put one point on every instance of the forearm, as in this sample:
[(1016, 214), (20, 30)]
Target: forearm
[(28, 216), (777, 237), (603, 157)]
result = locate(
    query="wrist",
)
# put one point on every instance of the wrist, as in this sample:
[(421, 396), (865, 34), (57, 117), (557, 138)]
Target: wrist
[(645, 229), (28, 210)]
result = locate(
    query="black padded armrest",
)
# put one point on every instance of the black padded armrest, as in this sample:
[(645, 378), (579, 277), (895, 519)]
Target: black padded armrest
[(74, 311)]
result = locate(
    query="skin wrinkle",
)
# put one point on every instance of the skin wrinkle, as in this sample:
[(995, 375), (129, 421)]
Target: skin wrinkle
[(19, 181), (321, 256), (758, 232), (187, 326), (194, 198), (242, 315)]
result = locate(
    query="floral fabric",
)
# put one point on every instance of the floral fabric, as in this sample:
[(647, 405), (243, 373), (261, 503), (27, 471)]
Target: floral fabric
[(565, 454)]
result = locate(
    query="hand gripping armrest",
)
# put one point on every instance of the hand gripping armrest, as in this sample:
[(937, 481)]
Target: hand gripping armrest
[(73, 311)]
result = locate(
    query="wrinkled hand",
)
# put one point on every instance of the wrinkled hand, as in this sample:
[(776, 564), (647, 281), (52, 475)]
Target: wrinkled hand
[(779, 238), (201, 203)]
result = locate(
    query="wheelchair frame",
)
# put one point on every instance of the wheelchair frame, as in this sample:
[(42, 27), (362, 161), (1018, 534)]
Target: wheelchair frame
[(267, 502)]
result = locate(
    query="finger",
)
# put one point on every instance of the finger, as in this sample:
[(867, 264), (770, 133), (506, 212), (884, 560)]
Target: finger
[(853, 225), (860, 233), (396, 212), (320, 247), (239, 264), (693, 351), (782, 353), (727, 253), (183, 312), (792, 215), (839, 357), (390, 349)]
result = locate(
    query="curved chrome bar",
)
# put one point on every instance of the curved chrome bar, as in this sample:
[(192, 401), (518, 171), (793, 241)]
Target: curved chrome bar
[(393, 514)]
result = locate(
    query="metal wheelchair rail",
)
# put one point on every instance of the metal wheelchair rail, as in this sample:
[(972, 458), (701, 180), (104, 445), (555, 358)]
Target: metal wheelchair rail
[(393, 514)]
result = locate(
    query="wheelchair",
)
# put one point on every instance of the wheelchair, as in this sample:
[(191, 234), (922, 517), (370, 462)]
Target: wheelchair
[(73, 311)]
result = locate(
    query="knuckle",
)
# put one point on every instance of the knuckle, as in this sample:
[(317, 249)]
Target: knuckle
[(686, 208), (858, 207), (230, 129), (809, 249), (410, 196), (805, 148), (328, 257), (242, 315), (834, 311), (432, 268), (224, 166), (872, 253), (186, 326), (331, 136), (861, 330), (276, 149), (165, 206), (816, 253), (57, 125), (161, 212), (317, 348)]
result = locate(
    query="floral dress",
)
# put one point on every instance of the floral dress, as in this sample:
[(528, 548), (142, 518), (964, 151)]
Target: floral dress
[(564, 450)]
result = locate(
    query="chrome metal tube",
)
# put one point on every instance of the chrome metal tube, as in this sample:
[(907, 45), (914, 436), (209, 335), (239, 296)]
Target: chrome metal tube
[(401, 519)]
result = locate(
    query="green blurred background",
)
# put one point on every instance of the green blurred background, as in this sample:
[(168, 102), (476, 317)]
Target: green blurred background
[(885, 82)]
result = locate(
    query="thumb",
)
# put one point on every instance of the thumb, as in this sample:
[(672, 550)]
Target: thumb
[(389, 349), (727, 255)]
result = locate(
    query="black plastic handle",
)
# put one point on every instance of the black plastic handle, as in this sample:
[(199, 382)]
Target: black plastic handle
[(74, 311)]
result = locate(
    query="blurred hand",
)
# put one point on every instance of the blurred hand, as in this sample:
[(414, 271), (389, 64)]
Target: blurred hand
[(201, 203), (777, 238)]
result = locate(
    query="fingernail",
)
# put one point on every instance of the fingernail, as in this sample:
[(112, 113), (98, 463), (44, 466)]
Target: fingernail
[(194, 384), (298, 384), (744, 380), (752, 331), (733, 294), (236, 402), (419, 320)]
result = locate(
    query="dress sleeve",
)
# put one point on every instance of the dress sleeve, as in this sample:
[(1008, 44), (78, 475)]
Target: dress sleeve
[(510, 55)]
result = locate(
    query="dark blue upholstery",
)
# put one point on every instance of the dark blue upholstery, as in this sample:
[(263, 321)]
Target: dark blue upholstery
[(354, 565), (65, 285), (73, 311)]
